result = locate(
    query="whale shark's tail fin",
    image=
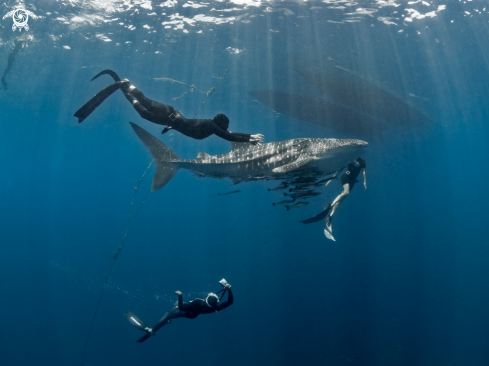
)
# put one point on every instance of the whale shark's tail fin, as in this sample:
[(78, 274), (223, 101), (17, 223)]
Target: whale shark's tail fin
[(163, 155)]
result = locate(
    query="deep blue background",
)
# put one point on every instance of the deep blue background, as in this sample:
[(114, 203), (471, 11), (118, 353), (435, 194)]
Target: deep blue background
[(406, 282)]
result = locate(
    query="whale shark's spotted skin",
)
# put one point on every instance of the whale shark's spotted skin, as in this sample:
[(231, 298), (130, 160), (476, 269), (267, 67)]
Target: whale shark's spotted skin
[(251, 158), (252, 162)]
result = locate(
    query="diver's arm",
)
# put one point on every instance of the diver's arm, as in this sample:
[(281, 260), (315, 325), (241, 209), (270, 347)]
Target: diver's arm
[(180, 300), (181, 305), (231, 136), (229, 302), (364, 178)]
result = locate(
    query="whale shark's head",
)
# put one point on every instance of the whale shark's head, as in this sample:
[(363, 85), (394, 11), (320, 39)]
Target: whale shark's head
[(344, 150)]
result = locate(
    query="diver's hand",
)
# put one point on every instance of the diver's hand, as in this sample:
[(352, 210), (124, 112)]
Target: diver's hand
[(150, 331), (179, 293), (228, 286), (257, 139)]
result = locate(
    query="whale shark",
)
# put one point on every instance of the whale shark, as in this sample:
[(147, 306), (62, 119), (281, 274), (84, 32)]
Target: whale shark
[(247, 162)]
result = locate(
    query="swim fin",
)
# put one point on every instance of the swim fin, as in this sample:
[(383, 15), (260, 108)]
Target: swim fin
[(93, 103), (143, 338), (328, 235), (328, 229), (319, 216), (138, 323), (134, 320), (107, 72)]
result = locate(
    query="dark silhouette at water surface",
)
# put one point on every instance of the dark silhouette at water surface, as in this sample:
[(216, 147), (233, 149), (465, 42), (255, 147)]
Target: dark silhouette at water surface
[(320, 112), (18, 47), (344, 87)]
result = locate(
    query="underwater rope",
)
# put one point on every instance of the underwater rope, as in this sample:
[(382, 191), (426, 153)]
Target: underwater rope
[(116, 253), (114, 256)]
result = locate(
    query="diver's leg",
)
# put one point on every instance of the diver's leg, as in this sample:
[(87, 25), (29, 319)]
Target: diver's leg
[(337, 202), (143, 112), (172, 314), (328, 226), (152, 106)]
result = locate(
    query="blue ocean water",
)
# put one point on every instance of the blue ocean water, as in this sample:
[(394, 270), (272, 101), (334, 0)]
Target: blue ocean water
[(405, 283)]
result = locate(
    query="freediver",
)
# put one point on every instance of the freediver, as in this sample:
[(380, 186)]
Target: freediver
[(165, 115), (348, 180), (211, 304), (18, 47)]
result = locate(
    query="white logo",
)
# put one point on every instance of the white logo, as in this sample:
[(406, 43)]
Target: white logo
[(20, 18)]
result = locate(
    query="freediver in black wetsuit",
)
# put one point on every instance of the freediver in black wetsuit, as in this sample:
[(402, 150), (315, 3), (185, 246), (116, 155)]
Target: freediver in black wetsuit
[(191, 310), (18, 47), (348, 180), (165, 115)]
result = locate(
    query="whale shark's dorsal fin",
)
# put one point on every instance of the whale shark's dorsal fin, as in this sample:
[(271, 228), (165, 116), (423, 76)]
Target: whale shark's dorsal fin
[(203, 155), (241, 145)]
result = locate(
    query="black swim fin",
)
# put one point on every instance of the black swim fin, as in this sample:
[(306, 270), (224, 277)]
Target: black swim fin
[(319, 216), (107, 72), (93, 103), (143, 338)]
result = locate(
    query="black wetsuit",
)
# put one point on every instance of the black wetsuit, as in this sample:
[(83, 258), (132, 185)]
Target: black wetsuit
[(190, 311), (199, 306), (352, 171), (162, 114)]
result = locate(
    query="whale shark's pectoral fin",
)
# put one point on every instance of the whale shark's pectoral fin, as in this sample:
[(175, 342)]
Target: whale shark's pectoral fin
[(295, 165)]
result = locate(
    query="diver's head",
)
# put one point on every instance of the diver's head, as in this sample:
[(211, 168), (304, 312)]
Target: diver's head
[(212, 300), (222, 121)]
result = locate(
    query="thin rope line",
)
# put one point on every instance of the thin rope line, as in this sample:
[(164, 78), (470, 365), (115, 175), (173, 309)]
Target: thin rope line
[(114, 256), (130, 219)]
